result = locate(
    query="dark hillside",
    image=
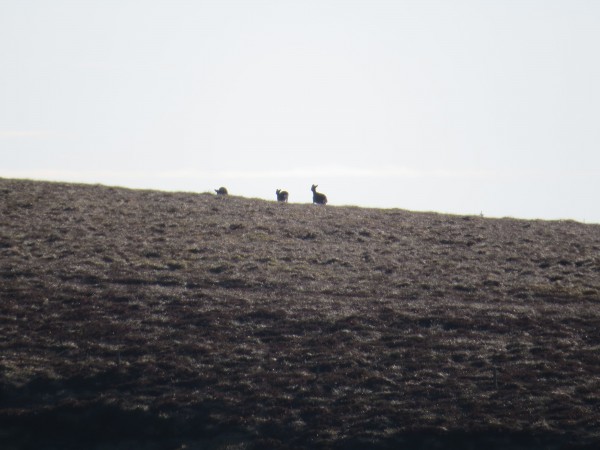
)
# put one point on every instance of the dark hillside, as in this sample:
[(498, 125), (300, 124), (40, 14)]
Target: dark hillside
[(142, 319)]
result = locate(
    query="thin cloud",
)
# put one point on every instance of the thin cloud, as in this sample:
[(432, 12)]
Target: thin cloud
[(330, 172), (78, 175), (124, 176), (232, 174), (30, 134)]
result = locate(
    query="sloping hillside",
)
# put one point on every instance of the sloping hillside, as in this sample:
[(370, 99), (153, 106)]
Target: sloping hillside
[(177, 320)]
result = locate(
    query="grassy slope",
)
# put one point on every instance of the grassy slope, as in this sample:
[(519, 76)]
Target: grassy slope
[(181, 318)]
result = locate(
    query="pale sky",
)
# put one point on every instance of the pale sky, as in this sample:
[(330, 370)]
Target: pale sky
[(464, 107)]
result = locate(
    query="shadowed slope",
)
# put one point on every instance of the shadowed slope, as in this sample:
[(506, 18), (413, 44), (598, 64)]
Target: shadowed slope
[(192, 319)]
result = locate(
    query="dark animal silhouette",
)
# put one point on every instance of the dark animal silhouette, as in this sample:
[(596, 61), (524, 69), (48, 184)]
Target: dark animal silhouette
[(282, 196), (221, 191), (318, 198)]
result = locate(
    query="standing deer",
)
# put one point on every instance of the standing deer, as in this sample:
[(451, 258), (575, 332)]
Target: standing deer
[(318, 198), (282, 196)]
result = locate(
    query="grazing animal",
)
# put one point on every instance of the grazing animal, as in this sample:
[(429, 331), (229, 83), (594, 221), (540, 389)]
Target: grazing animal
[(282, 196), (221, 191), (318, 198)]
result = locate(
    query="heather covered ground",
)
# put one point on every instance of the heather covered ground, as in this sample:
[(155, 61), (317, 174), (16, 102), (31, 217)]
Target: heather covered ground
[(145, 319)]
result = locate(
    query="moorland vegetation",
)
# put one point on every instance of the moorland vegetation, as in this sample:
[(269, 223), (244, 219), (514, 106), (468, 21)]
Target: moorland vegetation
[(145, 319)]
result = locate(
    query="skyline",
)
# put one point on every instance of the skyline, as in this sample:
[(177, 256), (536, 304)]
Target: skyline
[(297, 182), (465, 108)]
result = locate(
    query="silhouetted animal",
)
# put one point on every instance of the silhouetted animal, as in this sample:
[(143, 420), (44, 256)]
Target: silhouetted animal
[(320, 199), (221, 191), (282, 196)]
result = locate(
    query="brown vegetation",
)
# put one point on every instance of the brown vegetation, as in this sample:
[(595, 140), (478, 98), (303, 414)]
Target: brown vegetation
[(176, 320)]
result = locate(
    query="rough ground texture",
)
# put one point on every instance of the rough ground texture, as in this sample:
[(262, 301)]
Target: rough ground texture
[(140, 319)]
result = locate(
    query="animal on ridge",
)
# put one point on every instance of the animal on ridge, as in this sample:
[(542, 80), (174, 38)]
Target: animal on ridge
[(318, 198), (282, 196)]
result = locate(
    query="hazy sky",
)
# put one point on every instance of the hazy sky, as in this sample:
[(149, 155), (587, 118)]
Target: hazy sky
[(451, 106)]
